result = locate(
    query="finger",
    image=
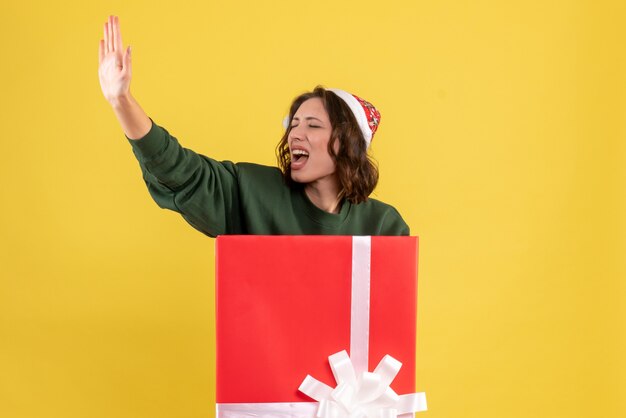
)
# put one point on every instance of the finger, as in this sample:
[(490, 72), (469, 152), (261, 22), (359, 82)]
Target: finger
[(111, 44), (118, 34), (106, 39), (100, 51), (116, 47)]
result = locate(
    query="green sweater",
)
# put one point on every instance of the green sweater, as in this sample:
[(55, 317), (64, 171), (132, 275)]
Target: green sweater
[(241, 198)]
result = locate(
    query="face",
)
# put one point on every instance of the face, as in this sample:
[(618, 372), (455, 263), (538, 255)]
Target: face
[(308, 144)]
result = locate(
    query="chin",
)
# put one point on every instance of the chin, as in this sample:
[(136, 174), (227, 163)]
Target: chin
[(298, 178)]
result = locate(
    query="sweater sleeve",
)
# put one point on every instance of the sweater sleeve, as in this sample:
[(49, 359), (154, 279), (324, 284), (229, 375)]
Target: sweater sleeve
[(202, 190)]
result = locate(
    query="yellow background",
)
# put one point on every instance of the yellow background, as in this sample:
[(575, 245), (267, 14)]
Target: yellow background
[(502, 144)]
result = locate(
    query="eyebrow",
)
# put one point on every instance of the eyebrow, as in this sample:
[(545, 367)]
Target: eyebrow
[(308, 118)]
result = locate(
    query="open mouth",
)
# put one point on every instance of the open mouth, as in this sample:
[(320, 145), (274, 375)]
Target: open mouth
[(299, 158)]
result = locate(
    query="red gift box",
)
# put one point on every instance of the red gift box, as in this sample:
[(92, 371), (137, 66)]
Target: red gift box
[(285, 303)]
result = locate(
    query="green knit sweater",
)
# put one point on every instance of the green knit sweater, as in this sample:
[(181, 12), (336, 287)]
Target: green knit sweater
[(241, 198)]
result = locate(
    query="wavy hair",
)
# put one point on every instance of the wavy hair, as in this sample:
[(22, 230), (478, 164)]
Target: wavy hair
[(356, 170)]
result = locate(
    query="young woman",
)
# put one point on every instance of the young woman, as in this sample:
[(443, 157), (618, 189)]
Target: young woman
[(321, 187)]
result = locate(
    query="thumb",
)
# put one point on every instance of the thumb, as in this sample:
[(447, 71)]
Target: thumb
[(126, 59)]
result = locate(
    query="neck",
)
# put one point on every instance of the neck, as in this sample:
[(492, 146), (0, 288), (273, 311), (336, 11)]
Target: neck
[(325, 196)]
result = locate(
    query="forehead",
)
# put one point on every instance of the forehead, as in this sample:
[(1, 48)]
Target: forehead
[(312, 107)]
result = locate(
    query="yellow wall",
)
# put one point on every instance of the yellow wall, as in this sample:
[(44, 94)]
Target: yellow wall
[(502, 143)]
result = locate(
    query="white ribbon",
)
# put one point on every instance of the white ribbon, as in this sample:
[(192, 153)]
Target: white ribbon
[(365, 396), (360, 306)]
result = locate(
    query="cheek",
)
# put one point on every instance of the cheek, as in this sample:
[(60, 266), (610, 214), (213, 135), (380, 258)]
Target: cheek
[(329, 163), (328, 159)]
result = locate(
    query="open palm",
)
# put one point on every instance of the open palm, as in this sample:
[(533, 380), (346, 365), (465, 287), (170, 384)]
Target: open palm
[(114, 62)]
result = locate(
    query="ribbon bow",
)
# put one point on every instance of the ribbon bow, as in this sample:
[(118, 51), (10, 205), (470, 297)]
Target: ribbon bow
[(365, 396)]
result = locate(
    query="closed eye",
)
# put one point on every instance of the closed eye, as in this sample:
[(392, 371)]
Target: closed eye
[(310, 126)]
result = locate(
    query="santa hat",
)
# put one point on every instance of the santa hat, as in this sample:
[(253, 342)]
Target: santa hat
[(365, 113)]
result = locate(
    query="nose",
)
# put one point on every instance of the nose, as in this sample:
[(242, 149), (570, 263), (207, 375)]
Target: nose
[(296, 133)]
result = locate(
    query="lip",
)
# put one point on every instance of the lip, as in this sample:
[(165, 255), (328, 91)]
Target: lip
[(297, 165)]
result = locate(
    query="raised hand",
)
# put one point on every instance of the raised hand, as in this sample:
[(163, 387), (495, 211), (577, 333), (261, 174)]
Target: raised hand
[(115, 73), (114, 64)]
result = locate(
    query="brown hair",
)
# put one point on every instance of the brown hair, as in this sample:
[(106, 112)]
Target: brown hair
[(356, 171)]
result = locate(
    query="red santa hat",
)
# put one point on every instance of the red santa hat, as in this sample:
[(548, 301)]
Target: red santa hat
[(365, 113)]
